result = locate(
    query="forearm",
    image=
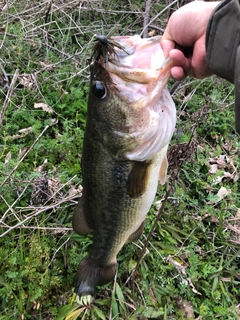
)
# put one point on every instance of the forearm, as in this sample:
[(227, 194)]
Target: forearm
[(223, 47)]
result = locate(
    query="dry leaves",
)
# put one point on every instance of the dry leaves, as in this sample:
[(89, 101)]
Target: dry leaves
[(227, 171), (223, 162), (222, 193), (22, 133), (26, 81), (44, 107), (181, 269)]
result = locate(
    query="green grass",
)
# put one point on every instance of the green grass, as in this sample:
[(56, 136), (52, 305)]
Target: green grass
[(190, 268)]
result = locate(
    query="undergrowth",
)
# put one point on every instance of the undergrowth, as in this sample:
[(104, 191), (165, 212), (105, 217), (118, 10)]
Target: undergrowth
[(190, 268)]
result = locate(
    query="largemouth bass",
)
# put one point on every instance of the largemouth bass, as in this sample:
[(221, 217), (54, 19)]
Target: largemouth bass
[(130, 121)]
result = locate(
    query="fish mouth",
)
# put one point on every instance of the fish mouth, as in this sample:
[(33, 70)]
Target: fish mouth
[(138, 73), (132, 58), (138, 60)]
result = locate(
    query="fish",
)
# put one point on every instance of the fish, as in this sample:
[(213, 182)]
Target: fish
[(131, 118)]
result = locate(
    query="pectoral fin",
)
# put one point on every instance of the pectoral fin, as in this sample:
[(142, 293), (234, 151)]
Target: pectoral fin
[(79, 222), (138, 178), (162, 176)]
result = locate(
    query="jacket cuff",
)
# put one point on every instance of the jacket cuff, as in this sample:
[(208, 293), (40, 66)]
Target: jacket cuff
[(223, 47)]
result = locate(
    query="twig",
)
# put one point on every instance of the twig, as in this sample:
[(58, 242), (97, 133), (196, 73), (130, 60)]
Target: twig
[(62, 187), (59, 248), (48, 11), (38, 212), (10, 207), (24, 156), (113, 293), (160, 211), (161, 12), (60, 229), (8, 96), (146, 18), (5, 75)]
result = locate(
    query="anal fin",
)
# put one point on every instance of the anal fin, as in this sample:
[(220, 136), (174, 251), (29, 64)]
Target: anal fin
[(136, 234), (79, 222)]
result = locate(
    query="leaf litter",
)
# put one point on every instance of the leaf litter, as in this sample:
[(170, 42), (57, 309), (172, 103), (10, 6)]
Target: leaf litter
[(63, 195)]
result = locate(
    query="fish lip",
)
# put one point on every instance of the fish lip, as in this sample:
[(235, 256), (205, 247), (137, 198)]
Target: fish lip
[(167, 64), (139, 75)]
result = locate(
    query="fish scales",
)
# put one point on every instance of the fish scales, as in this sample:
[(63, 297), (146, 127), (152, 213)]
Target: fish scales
[(130, 122)]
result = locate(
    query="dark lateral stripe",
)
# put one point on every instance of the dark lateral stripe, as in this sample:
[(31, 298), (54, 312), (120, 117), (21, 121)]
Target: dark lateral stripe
[(138, 179)]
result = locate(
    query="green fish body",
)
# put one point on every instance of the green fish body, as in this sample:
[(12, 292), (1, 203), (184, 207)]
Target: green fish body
[(130, 121)]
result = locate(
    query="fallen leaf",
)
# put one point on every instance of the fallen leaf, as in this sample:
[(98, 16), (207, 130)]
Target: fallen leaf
[(223, 192), (3, 28), (26, 81), (22, 152), (8, 157), (223, 162), (187, 308), (25, 131), (43, 106), (213, 168), (151, 33)]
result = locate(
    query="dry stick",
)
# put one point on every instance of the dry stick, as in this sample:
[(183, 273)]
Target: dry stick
[(57, 230), (5, 74), (24, 156), (8, 96), (167, 7), (48, 11), (56, 251), (36, 214), (146, 18), (160, 211), (113, 293), (57, 191), (10, 207)]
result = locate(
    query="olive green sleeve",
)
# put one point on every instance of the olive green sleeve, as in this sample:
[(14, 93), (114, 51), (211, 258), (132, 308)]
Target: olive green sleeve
[(223, 47)]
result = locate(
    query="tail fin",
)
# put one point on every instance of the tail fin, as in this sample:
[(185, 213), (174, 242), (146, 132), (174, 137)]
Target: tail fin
[(90, 274)]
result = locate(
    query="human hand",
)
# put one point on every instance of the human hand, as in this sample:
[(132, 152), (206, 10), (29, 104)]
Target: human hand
[(187, 28)]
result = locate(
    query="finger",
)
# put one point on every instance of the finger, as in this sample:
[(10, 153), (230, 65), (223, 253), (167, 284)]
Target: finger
[(180, 61), (178, 73), (167, 46)]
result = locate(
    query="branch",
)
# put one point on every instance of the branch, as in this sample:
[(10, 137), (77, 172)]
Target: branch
[(8, 96), (146, 18), (24, 156), (166, 8), (35, 214)]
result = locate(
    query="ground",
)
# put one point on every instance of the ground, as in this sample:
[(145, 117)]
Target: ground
[(190, 260)]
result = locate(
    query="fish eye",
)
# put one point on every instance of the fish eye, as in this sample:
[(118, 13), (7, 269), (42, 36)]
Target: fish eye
[(99, 90)]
